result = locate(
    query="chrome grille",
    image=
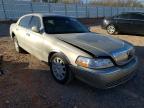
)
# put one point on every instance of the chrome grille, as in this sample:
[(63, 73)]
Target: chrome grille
[(123, 56)]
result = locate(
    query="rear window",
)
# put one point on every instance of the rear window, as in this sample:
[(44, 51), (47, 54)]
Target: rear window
[(137, 16)]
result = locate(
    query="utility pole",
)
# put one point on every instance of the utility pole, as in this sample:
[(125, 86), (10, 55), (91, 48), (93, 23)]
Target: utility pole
[(4, 9), (87, 13)]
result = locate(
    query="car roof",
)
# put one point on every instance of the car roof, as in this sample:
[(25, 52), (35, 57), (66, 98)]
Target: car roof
[(45, 15), (42, 15), (132, 13)]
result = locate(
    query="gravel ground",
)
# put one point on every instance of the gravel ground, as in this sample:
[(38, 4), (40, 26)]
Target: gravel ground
[(27, 83)]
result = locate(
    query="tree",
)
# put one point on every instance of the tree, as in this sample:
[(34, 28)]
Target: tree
[(121, 3), (58, 1), (50, 1), (71, 1)]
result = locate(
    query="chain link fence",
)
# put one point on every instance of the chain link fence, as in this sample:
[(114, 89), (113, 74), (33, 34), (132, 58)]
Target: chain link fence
[(12, 10)]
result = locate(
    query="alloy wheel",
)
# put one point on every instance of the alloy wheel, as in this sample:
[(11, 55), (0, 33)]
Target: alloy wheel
[(58, 68)]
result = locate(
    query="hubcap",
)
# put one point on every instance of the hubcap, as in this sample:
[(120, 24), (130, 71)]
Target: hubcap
[(111, 29), (58, 68)]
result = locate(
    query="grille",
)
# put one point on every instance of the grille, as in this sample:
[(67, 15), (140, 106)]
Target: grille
[(123, 57)]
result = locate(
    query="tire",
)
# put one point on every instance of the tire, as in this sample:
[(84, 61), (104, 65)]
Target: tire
[(17, 47), (60, 69), (111, 29)]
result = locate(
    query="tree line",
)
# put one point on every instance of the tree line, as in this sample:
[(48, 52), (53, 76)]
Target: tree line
[(59, 1), (116, 3), (113, 3)]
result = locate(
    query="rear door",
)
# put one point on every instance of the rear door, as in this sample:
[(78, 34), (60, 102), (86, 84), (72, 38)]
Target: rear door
[(138, 23), (22, 31), (124, 23)]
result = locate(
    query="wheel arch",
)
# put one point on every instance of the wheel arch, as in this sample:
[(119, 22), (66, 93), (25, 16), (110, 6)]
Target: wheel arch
[(13, 35), (54, 52)]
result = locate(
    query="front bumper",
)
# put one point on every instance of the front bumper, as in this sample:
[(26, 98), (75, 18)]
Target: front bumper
[(104, 25), (106, 78)]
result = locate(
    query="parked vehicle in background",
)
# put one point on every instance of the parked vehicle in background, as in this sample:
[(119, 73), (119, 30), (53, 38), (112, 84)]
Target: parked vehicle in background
[(130, 22), (72, 50)]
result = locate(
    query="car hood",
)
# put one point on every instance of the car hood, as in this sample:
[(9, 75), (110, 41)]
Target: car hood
[(93, 43)]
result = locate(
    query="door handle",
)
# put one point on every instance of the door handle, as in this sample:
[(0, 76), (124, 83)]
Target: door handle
[(27, 34)]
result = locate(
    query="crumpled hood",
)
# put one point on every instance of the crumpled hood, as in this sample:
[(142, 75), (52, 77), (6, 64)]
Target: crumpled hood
[(94, 43)]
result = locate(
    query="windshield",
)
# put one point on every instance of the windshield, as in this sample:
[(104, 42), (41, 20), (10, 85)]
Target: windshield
[(61, 25)]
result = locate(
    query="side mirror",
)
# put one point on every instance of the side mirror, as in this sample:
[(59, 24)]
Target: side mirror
[(35, 29)]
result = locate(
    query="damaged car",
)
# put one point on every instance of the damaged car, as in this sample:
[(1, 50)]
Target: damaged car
[(71, 50)]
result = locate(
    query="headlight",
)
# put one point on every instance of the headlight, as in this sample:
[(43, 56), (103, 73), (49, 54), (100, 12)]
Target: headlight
[(97, 63)]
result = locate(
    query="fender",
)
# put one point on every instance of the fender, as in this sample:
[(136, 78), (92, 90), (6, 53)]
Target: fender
[(57, 51)]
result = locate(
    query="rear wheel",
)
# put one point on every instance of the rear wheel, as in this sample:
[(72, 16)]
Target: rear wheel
[(17, 47), (111, 29), (60, 69)]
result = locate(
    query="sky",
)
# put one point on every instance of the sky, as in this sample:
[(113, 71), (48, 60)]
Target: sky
[(141, 0)]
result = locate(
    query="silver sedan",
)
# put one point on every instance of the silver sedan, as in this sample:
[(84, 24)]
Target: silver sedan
[(71, 50)]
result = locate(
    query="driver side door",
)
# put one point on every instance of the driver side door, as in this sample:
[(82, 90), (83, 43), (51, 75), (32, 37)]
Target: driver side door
[(35, 39)]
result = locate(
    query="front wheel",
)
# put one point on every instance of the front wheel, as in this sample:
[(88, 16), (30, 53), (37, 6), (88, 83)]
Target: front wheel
[(60, 70), (111, 29)]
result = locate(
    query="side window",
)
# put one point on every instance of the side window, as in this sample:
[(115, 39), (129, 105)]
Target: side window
[(24, 22), (124, 16), (137, 16), (35, 21)]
